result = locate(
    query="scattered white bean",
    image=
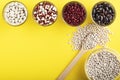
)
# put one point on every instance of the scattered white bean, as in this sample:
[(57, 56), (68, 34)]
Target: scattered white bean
[(89, 36)]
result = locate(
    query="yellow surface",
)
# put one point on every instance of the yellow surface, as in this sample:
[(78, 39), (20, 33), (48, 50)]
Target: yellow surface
[(32, 52)]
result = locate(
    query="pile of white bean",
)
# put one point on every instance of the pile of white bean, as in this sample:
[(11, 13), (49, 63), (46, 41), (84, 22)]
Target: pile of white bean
[(90, 36), (15, 13)]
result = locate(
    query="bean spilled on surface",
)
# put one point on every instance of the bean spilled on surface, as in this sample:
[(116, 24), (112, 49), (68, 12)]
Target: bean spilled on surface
[(15, 13), (103, 13), (74, 13), (45, 13)]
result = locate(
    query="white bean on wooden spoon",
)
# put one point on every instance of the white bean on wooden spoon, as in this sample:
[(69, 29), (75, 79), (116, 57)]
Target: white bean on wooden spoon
[(90, 40)]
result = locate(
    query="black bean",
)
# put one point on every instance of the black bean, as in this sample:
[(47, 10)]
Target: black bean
[(103, 13)]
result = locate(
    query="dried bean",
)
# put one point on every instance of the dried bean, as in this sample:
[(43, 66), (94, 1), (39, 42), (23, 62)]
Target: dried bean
[(45, 13), (103, 13), (89, 36), (15, 13), (102, 65), (74, 13)]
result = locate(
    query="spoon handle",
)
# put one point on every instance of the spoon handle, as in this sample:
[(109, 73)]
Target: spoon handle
[(71, 65)]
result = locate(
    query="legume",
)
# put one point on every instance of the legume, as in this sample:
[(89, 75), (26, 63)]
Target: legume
[(103, 13), (89, 36), (45, 13), (74, 13), (103, 65), (15, 13)]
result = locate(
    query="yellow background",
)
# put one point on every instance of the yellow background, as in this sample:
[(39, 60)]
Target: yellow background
[(33, 52)]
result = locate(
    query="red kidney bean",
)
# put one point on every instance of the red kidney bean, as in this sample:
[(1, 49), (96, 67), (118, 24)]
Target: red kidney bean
[(74, 13)]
